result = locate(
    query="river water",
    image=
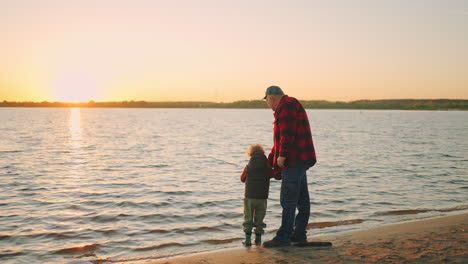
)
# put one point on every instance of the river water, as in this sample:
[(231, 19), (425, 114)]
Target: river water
[(135, 184)]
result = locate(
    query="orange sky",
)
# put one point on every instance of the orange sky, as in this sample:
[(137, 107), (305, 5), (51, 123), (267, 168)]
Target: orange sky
[(232, 50)]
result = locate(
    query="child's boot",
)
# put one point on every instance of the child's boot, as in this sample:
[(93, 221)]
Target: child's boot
[(258, 239), (247, 242)]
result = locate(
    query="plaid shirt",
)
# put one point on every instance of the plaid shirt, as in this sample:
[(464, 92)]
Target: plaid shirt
[(292, 135)]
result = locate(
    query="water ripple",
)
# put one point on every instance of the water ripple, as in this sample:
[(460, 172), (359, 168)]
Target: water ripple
[(138, 181)]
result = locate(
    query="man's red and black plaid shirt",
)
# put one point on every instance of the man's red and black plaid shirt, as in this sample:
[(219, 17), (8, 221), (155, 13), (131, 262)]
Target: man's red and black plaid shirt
[(292, 136)]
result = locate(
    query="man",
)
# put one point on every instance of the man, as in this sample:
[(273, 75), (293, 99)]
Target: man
[(293, 153)]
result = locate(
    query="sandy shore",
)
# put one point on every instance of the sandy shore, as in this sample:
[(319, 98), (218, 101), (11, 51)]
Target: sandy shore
[(436, 240)]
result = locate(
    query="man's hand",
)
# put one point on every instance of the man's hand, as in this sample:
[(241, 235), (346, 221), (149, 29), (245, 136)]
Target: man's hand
[(280, 161)]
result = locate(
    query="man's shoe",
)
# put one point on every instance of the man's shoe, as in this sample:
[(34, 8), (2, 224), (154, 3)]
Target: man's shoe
[(276, 243), (299, 242)]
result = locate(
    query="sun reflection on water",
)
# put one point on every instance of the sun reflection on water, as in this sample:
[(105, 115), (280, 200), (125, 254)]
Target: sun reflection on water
[(75, 124), (77, 156)]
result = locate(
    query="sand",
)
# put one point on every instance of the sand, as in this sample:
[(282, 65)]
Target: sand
[(435, 240)]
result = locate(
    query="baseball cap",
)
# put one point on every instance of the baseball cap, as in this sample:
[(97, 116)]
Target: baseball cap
[(273, 90)]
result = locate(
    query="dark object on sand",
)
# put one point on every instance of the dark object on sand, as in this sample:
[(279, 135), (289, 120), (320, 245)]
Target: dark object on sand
[(313, 244)]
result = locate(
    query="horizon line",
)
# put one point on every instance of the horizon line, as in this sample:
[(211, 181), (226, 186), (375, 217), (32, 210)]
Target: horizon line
[(228, 102)]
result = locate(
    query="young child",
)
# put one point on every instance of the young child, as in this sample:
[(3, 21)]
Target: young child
[(256, 175)]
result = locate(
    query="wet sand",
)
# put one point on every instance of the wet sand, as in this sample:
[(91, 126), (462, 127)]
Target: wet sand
[(436, 240)]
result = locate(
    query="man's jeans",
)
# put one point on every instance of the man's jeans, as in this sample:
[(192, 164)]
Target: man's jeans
[(294, 194)]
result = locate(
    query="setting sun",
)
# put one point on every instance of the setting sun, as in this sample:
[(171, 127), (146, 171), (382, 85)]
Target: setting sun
[(75, 88)]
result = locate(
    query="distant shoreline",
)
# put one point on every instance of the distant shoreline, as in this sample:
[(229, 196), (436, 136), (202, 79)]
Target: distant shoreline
[(390, 104)]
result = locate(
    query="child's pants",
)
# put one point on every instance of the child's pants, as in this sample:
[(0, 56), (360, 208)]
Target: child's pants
[(254, 213)]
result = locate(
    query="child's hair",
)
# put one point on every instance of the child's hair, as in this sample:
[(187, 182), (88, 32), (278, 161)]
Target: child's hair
[(254, 149)]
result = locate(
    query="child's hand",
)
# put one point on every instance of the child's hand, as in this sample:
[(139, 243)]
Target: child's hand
[(277, 174)]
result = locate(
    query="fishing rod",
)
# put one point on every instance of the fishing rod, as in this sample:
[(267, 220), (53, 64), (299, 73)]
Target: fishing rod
[(224, 161)]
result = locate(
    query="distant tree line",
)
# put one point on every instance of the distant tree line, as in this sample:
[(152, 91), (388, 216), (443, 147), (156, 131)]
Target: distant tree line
[(404, 104)]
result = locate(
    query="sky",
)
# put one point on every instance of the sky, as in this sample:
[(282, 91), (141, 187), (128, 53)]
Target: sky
[(224, 51)]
